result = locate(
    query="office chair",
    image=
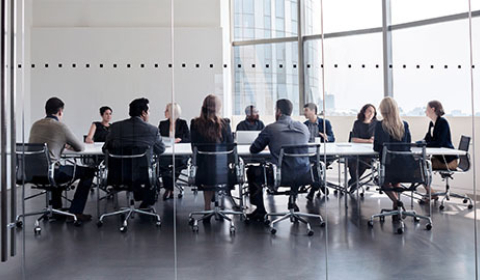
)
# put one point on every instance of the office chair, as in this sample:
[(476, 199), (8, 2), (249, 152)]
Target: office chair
[(35, 167), (131, 170), (400, 164), (216, 167), (463, 166), (289, 173)]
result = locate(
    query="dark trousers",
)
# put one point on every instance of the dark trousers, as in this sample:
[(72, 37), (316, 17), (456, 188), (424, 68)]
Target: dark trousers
[(256, 179), (64, 174), (166, 170), (363, 165)]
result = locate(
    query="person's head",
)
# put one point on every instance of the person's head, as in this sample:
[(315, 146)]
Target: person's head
[(54, 107), (434, 109), (173, 110), (139, 108), (106, 113), (310, 110), (252, 113), (391, 118), (367, 113), (283, 107), (209, 124)]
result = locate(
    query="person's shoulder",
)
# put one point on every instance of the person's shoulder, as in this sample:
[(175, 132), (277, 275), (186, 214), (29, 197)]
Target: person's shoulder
[(442, 120), (162, 122)]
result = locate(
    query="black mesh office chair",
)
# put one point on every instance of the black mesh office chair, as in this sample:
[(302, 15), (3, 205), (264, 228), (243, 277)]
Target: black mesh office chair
[(463, 166), (292, 172), (403, 163), (130, 170), (35, 167), (216, 167)]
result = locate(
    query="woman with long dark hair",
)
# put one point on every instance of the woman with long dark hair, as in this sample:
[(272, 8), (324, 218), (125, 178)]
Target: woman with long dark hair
[(362, 132), (99, 130), (210, 128)]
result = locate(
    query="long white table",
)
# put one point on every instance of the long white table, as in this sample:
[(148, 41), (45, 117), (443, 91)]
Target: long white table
[(331, 149)]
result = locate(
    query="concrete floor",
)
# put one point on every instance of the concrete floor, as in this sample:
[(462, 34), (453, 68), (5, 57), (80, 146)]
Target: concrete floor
[(345, 249)]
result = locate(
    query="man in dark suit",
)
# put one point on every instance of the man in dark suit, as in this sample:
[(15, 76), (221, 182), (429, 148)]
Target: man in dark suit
[(137, 133)]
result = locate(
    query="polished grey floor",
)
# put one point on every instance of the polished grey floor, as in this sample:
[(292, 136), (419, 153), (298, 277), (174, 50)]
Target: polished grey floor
[(346, 246)]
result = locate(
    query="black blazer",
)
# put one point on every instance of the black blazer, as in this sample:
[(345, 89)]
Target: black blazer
[(181, 130), (134, 132), (198, 138), (382, 136), (440, 137)]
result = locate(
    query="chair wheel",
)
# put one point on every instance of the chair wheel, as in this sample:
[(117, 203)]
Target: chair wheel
[(362, 194), (77, 223), (416, 219), (158, 224), (180, 195), (429, 226), (382, 219), (442, 207), (232, 230), (370, 223), (465, 200), (191, 221), (37, 230), (322, 224), (335, 192), (19, 224), (195, 228), (267, 222), (400, 230), (470, 206), (99, 224), (123, 229), (273, 230), (367, 188), (310, 232)]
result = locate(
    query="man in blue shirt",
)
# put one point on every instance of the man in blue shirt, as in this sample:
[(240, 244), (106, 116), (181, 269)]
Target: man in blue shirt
[(285, 131), (315, 124)]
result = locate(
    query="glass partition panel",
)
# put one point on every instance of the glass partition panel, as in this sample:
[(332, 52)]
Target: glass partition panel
[(429, 65)]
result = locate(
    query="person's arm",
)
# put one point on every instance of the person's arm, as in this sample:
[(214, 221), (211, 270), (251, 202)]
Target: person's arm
[(261, 142), (72, 140), (158, 146), (90, 134), (185, 133), (228, 132), (262, 125), (330, 136), (407, 133)]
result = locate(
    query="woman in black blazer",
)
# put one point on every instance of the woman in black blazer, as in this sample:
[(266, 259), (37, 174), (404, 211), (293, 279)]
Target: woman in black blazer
[(181, 135), (390, 130), (209, 128)]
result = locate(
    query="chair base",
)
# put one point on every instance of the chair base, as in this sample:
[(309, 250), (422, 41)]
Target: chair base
[(294, 218), (401, 212), (218, 213), (45, 214), (447, 194)]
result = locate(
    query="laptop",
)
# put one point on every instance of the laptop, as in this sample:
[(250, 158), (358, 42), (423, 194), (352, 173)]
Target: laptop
[(246, 137)]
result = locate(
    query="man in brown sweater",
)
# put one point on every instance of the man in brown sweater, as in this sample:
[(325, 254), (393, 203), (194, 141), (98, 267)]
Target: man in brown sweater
[(58, 136)]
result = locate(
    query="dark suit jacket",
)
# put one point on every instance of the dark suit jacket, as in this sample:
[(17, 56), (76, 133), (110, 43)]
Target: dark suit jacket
[(181, 130), (382, 136), (440, 137), (134, 132), (198, 138)]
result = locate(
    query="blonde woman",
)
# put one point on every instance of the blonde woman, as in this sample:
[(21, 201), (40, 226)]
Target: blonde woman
[(390, 130)]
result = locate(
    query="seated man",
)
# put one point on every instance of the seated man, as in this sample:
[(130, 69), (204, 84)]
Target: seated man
[(284, 131), (252, 120), (58, 136), (137, 132), (315, 124)]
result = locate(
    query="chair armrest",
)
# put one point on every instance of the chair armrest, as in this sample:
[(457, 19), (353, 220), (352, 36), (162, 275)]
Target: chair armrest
[(192, 172), (240, 171), (277, 177)]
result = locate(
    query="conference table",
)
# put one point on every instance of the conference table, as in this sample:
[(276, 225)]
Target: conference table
[(336, 150)]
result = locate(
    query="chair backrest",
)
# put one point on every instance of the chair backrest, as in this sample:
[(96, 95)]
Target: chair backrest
[(350, 136), (297, 165), (464, 144), (129, 167), (401, 164), (216, 164), (33, 164)]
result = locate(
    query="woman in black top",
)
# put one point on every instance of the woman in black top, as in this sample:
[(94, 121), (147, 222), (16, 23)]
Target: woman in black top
[(209, 128), (99, 130), (439, 135), (390, 130), (362, 132), (180, 132)]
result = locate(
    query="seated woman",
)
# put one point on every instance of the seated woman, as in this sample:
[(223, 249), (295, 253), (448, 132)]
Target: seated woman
[(208, 128), (362, 132), (390, 130), (99, 130), (439, 135), (177, 129)]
